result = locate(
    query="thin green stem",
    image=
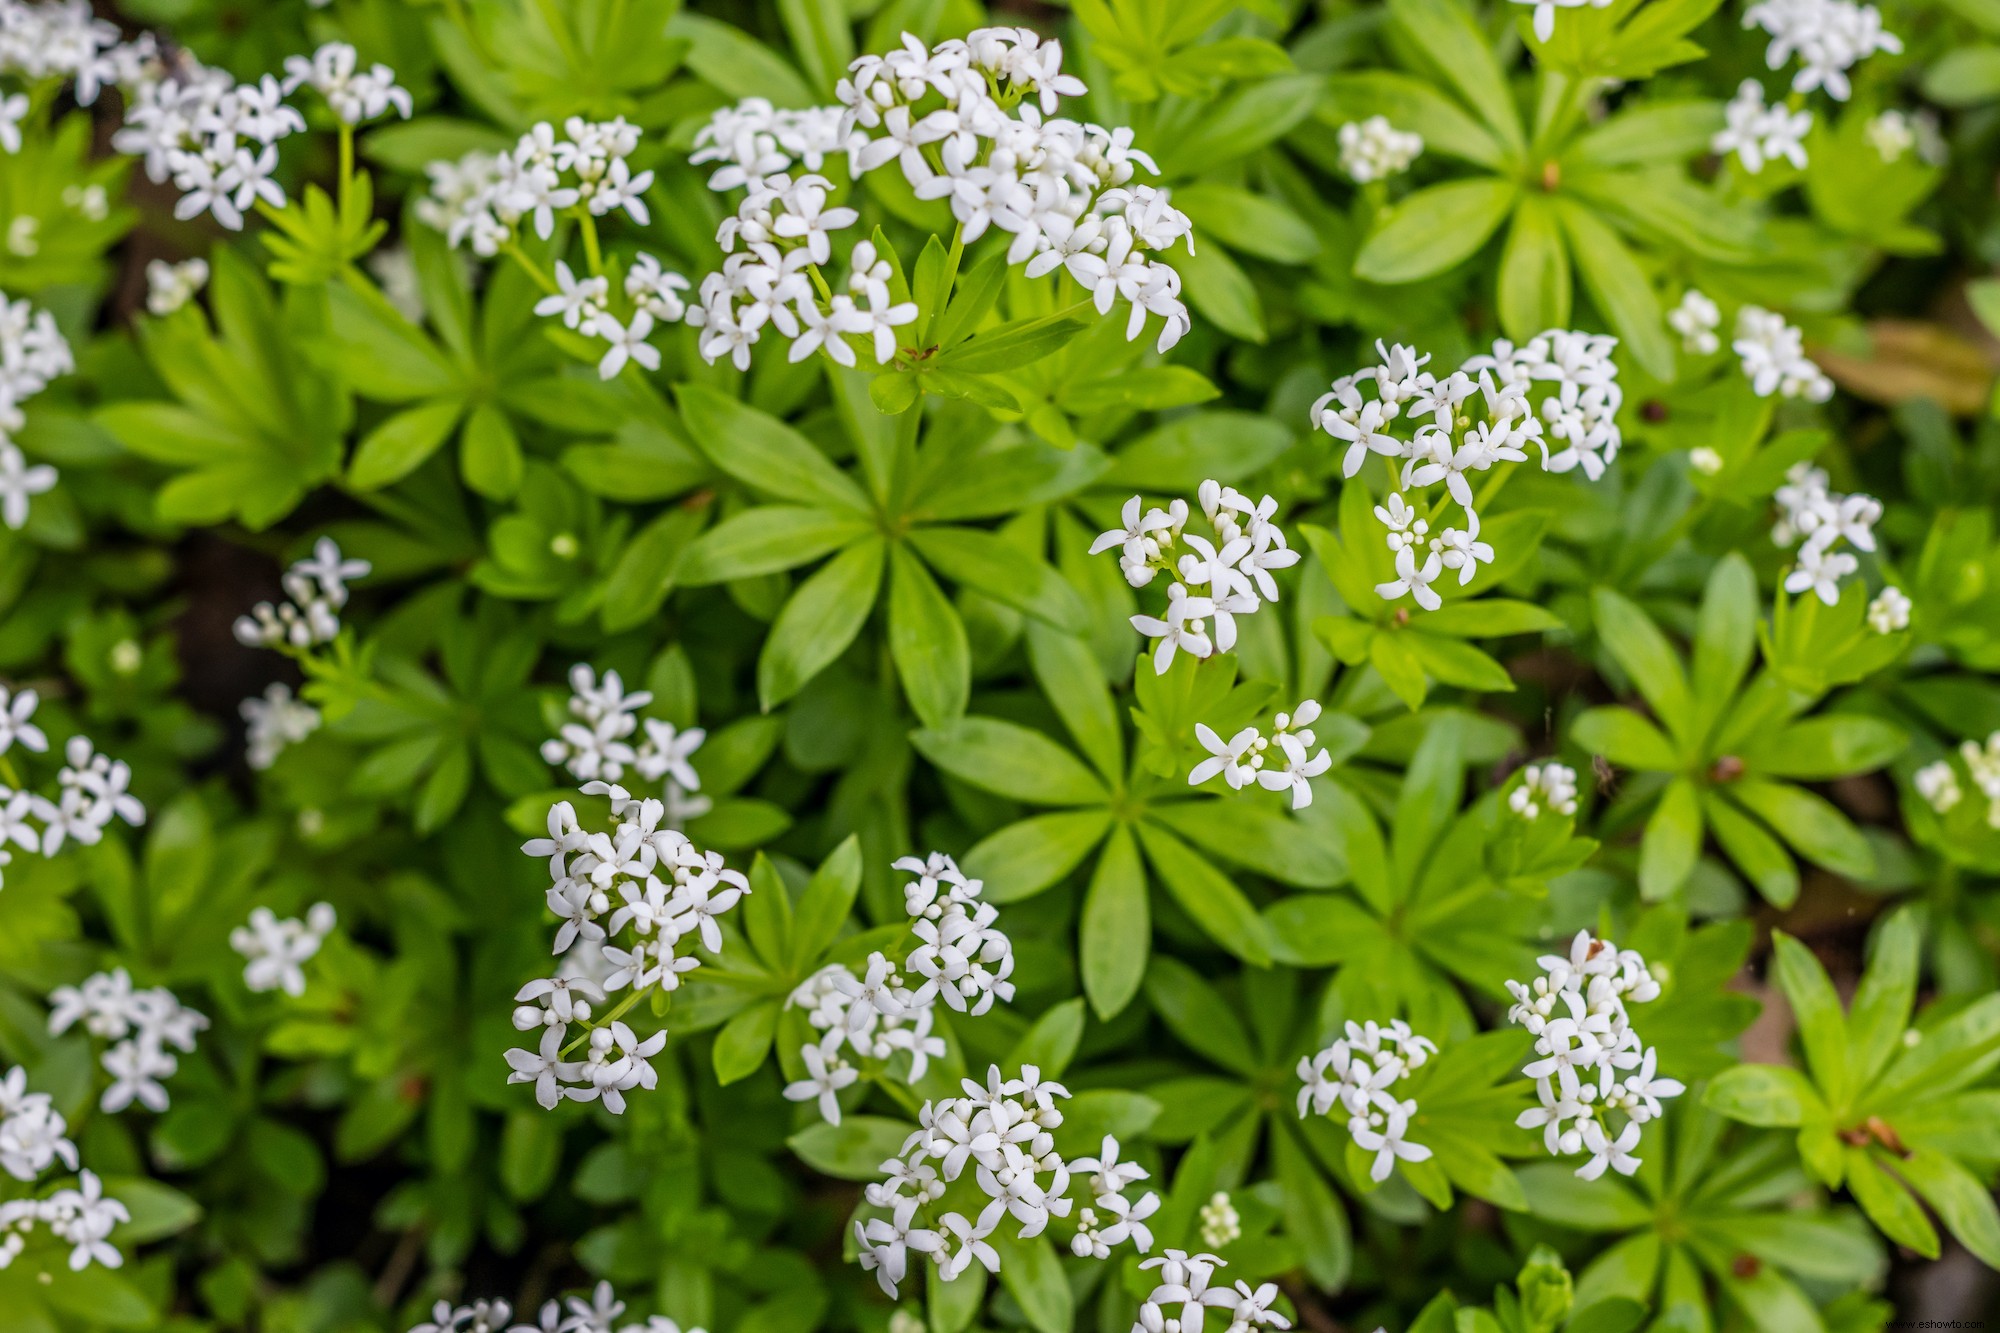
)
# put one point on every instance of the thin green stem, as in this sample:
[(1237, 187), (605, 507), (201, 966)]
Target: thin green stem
[(591, 252), (619, 1011), (9, 774), (534, 270), (346, 164)]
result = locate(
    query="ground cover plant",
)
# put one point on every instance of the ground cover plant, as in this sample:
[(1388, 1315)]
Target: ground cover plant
[(900, 666)]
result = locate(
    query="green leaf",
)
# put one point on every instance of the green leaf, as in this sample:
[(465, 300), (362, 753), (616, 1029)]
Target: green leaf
[(823, 907), (996, 567), (1445, 33), (1033, 1276), (854, 1149), (1961, 1201), (1222, 293), (1619, 288), (646, 570), (1756, 853), (819, 621), (1247, 831), (1819, 748), (1725, 636), (1253, 223), (745, 1040), (1115, 933), (1222, 911), (1811, 824), (1556, 1195), (1638, 646), (764, 453), (1434, 229), (1767, 1095), (1534, 289), (1010, 759), (1672, 842), (1023, 859), (1822, 1027), (1889, 1205), (1881, 1012), (1488, 618), (1196, 1014), (399, 445), (1067, 670), (766, 539), (1313, 1215), (1051, 1043), (927, 641), (1626, 739)]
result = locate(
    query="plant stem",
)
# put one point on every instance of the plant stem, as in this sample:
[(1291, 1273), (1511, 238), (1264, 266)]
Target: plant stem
[(590, 248), (346, 164), (542, 280)]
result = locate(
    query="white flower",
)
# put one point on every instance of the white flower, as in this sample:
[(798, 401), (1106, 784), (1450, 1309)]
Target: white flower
[(16, 727), (136, 1068), (577, 302), (1373, 149), (277, 950), (1607, 1151), (628, 343), (1758, 134), (1889, 613), (19, 483), (84, 1217), (1297, 772), (1828, 36), (1705, 460), (1696, 319), (273, 722), (825, 1077), (1221, 1224), (1820, 571), (1413, 579), (1182, 629), (1774, 359)]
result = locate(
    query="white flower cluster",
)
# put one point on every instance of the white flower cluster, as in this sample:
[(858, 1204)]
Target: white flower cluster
[(140, 1024), (754, 139), (1828, 36), (317, 590), (1824, 518), (93, 789), (1184, 1283), (217, 140), (654, 294), (276, 950), (1003, 1130), (960, 956), (483, 198), (33, 1134), (1235, 569), (1696, 319), (82, 1218), (1774, 357), (1938, 784), (1592, 1062), (974, 122), (785, 226), (1356, 1073), (1544, 787), (1545, 13), (171, 286), (1240, 760), (274, 722), (1579, 410), (573, 1315), (33, 351), (594, 747), (1372, 149), (354, 94), (1758, 134), (638, 877), (62, 39)]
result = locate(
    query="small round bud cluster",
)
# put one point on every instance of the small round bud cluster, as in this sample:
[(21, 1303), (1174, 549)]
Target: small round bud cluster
[(1544, 787), (1373, 149), (276, 950)]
